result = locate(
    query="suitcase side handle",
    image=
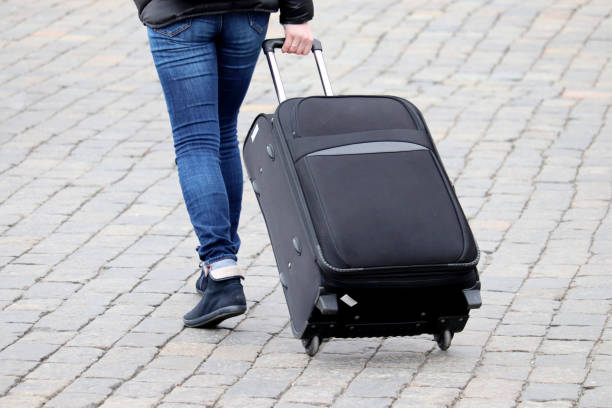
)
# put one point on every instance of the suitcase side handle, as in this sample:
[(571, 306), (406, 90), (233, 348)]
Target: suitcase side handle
[(269, 46)]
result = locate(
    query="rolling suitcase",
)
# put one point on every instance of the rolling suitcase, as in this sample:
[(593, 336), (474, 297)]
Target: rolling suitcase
[(367, 232)]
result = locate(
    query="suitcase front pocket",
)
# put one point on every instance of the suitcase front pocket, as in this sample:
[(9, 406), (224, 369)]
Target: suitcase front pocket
[(322, 116), (381, 204)]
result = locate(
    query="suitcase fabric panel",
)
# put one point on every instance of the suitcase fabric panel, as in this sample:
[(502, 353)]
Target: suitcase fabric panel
[(361, 222), (281, 213), (325, 116)]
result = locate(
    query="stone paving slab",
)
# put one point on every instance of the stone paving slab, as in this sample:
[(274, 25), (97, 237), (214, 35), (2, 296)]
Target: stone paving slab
[(97, 261)]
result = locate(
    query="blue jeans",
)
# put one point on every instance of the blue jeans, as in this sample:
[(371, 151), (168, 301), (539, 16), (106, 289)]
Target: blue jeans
[(205, 66)]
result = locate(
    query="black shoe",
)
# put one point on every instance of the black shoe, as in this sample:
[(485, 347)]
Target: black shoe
[(221, 300)]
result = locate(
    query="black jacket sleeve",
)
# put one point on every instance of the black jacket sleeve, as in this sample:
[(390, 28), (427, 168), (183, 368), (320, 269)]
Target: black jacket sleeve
[(296, 11)]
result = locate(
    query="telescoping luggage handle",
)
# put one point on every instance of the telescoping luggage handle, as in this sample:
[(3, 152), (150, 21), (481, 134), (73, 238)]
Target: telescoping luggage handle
[(269, 46)]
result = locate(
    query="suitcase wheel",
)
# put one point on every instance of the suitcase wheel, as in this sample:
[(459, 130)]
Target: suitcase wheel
[(311, 345), (444, 339)]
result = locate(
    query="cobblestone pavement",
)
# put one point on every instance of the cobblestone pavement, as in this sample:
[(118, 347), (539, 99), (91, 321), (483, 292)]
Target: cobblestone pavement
[(97, 260)]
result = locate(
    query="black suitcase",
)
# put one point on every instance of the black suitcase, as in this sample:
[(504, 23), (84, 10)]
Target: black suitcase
[(368, 234)]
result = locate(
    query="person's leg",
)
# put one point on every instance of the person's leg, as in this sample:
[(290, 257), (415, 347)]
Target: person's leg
[(237, 51), (186, 60), (238, 48), (188, 57)]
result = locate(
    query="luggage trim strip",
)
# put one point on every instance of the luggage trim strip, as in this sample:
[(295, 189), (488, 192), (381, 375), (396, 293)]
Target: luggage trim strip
[(369, 147)]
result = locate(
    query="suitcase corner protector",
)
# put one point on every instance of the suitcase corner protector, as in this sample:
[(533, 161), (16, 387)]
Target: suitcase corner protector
[(327, 304), (472, 296)]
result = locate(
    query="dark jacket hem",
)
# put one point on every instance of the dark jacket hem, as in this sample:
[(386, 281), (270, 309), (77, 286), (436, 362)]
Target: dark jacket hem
[(195, 14), (161, 13)]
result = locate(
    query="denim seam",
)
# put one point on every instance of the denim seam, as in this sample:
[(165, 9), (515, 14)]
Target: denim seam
[(259, 29), (175, 32)]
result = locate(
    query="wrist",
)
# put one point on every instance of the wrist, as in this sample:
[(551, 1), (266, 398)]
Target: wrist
[(295, 24)]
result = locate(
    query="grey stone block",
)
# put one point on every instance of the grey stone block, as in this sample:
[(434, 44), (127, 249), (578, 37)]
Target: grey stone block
[(159, 325), (518, 372), (493, 389), (21, 400), (97, 386), (36, 387), (485, 402), (282, 360), (75, 400), (144, 339), (6, 382), (202, 396), (238, 402), (56, 371), (16, 367), (310, 394), (601, 362), (513, 343), (346, 402), (136, 389), (414, 396), (262, 383), (120, 401), (545, 404), (558, 375), (175, 348), (442, 379), (574, 333), (158, 375), (235, 353), (210, 380), (405, 360), (596, 397), (27, 351), (282, 404), (224, 367), (550, 392), (378, 383), (508, 358), (565, 347)]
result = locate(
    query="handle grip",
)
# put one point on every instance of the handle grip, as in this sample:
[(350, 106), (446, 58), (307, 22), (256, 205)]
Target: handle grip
[(274, 43), (270, 45)]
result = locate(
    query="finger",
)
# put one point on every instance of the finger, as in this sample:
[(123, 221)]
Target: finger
[(287, 43), (294, 45), (308, 45), (303, 48)]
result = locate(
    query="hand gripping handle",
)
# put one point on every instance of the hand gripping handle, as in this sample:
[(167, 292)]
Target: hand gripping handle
[(269, 46), (274, 43)]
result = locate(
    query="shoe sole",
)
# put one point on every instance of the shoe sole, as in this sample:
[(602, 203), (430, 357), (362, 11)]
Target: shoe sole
[(216, 317)]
